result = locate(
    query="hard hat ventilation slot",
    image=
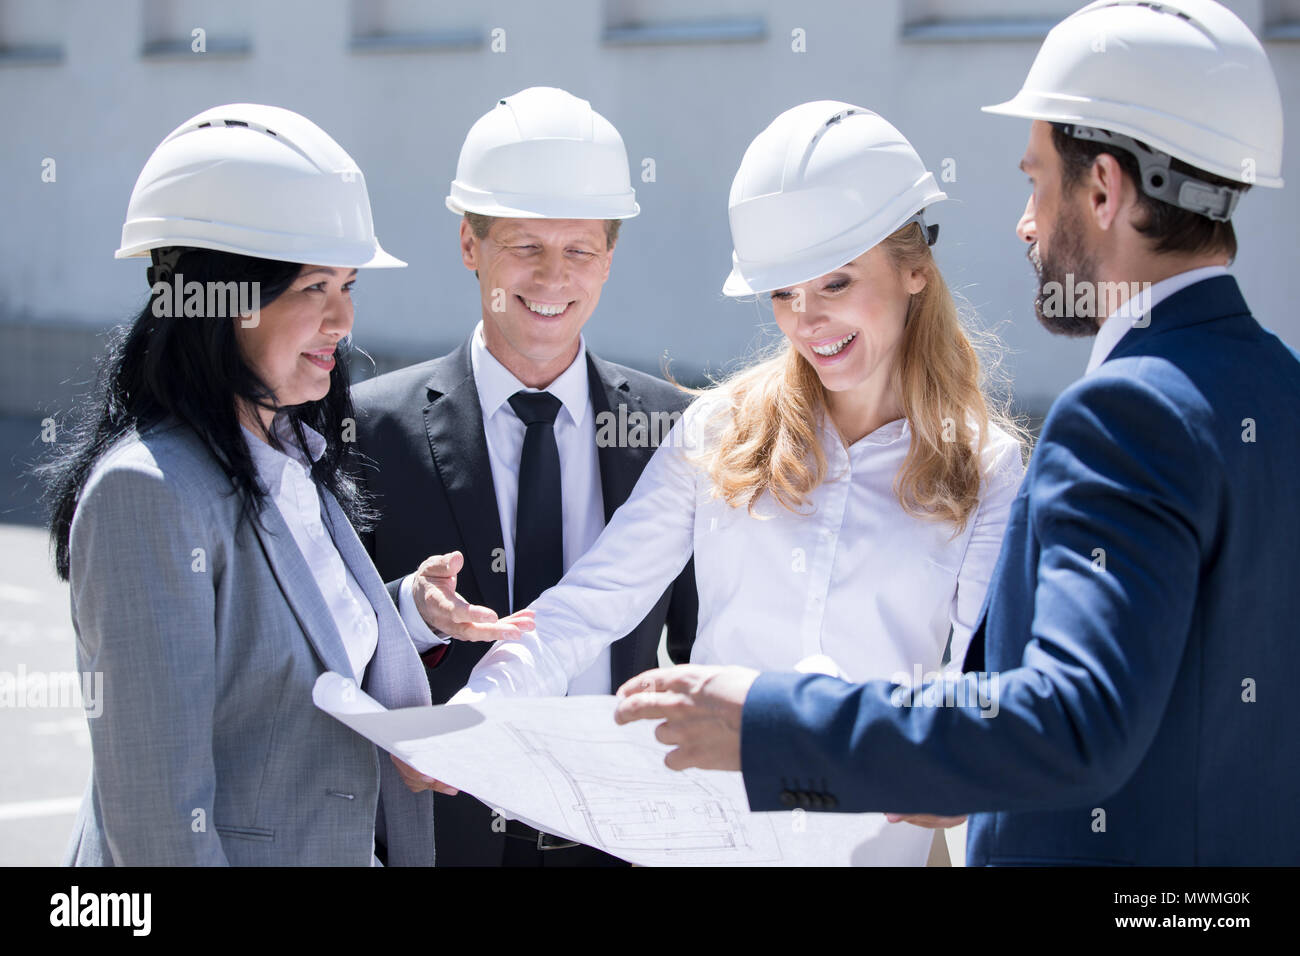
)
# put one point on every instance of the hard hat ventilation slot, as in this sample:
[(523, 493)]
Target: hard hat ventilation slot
[(1157, 7), (821, 131), (839, 117)]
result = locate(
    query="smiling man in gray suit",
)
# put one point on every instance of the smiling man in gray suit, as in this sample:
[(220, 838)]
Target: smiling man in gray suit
[(505, 459)]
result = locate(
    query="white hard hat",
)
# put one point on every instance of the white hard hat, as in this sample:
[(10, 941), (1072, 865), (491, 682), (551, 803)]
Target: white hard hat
[(825, 182), (543, 154), (255, 180), (1185, 77)]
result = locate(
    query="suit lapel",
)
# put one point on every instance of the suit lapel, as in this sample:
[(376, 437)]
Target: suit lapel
[(453, 422), (618, 475), (618, 472), (358, 562), (384, 683), (300, 590)]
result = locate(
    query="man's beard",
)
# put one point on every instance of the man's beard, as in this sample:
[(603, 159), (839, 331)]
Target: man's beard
[(1066, 258)]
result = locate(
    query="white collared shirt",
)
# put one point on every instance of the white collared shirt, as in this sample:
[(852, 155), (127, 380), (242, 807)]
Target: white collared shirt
[(1126, 316), (857, 588), (580, 490), (858, 581), (286, 476)]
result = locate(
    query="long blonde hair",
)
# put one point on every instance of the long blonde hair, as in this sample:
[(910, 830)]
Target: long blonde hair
[(771, 441)]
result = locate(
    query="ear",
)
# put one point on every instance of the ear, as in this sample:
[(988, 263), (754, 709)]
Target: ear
[(916, 280), (1108, 191), (609, 261), (469, 247)]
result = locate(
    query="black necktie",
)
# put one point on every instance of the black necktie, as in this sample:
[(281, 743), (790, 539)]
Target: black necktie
[(539, 518)]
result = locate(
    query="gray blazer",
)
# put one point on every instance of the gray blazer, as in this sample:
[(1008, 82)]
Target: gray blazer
[(210, 634)]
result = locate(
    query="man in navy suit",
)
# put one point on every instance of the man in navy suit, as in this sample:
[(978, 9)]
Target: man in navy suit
[(1127, 695)]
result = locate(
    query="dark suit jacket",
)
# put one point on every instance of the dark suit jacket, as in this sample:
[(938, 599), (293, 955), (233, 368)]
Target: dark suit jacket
[(1146, 710), (432, 484)]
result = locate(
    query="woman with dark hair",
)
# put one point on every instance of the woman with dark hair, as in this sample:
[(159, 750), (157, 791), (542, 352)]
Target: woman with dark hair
[(201, 515)]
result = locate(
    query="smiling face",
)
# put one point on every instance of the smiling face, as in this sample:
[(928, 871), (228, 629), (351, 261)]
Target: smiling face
[(539, 282), (849, 323), (1053, 223), (291, 348)]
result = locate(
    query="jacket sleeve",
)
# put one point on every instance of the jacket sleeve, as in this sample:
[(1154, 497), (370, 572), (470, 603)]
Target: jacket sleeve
[(608, 590), (1120, 477), (142, 573)]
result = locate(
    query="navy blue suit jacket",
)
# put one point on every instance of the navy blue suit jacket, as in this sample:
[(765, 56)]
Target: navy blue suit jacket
[(1141, 622)]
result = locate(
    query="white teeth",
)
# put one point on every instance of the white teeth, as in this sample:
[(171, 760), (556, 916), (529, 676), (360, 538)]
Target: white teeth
[(542, 309), (835, 347)]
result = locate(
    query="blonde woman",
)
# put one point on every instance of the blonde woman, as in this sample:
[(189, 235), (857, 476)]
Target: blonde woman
[(845, 499)]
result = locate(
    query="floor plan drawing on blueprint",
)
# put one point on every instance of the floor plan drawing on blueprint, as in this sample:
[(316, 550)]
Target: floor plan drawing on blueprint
[(624, 804), (562, 765)]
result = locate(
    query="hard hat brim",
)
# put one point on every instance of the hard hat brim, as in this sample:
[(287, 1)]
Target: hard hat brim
[(543, 208), (375, 258), (784, 275), (1075, 110)]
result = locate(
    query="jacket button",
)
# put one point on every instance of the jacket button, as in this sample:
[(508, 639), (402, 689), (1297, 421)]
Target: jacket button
[(829, 801), (805, 800), (787, 798)]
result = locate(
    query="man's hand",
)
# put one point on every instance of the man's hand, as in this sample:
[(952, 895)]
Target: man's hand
[(434, 590), (926, 820), (701, 707), (416, 781)]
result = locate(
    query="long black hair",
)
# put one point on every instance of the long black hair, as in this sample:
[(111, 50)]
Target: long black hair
[(190, 368)]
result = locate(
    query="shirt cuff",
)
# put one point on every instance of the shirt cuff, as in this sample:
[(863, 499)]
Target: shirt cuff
[(423, 636)]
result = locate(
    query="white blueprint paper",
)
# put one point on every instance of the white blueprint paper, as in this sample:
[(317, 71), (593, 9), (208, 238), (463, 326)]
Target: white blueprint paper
[(561, 764)]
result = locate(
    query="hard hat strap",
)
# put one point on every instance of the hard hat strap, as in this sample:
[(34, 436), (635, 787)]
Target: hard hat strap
[(930, 232), (164, 264), (1161, 181)]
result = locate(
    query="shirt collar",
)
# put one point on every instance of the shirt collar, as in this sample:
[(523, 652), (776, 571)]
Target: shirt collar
[(1119, 322), (270, 462), (496, 383), (899, 430)]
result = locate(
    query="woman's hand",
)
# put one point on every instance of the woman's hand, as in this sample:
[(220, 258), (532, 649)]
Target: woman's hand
[(434, 590), (417, 782)]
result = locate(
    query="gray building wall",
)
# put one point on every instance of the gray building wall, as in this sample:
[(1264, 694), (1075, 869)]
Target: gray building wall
[(94, 86)]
